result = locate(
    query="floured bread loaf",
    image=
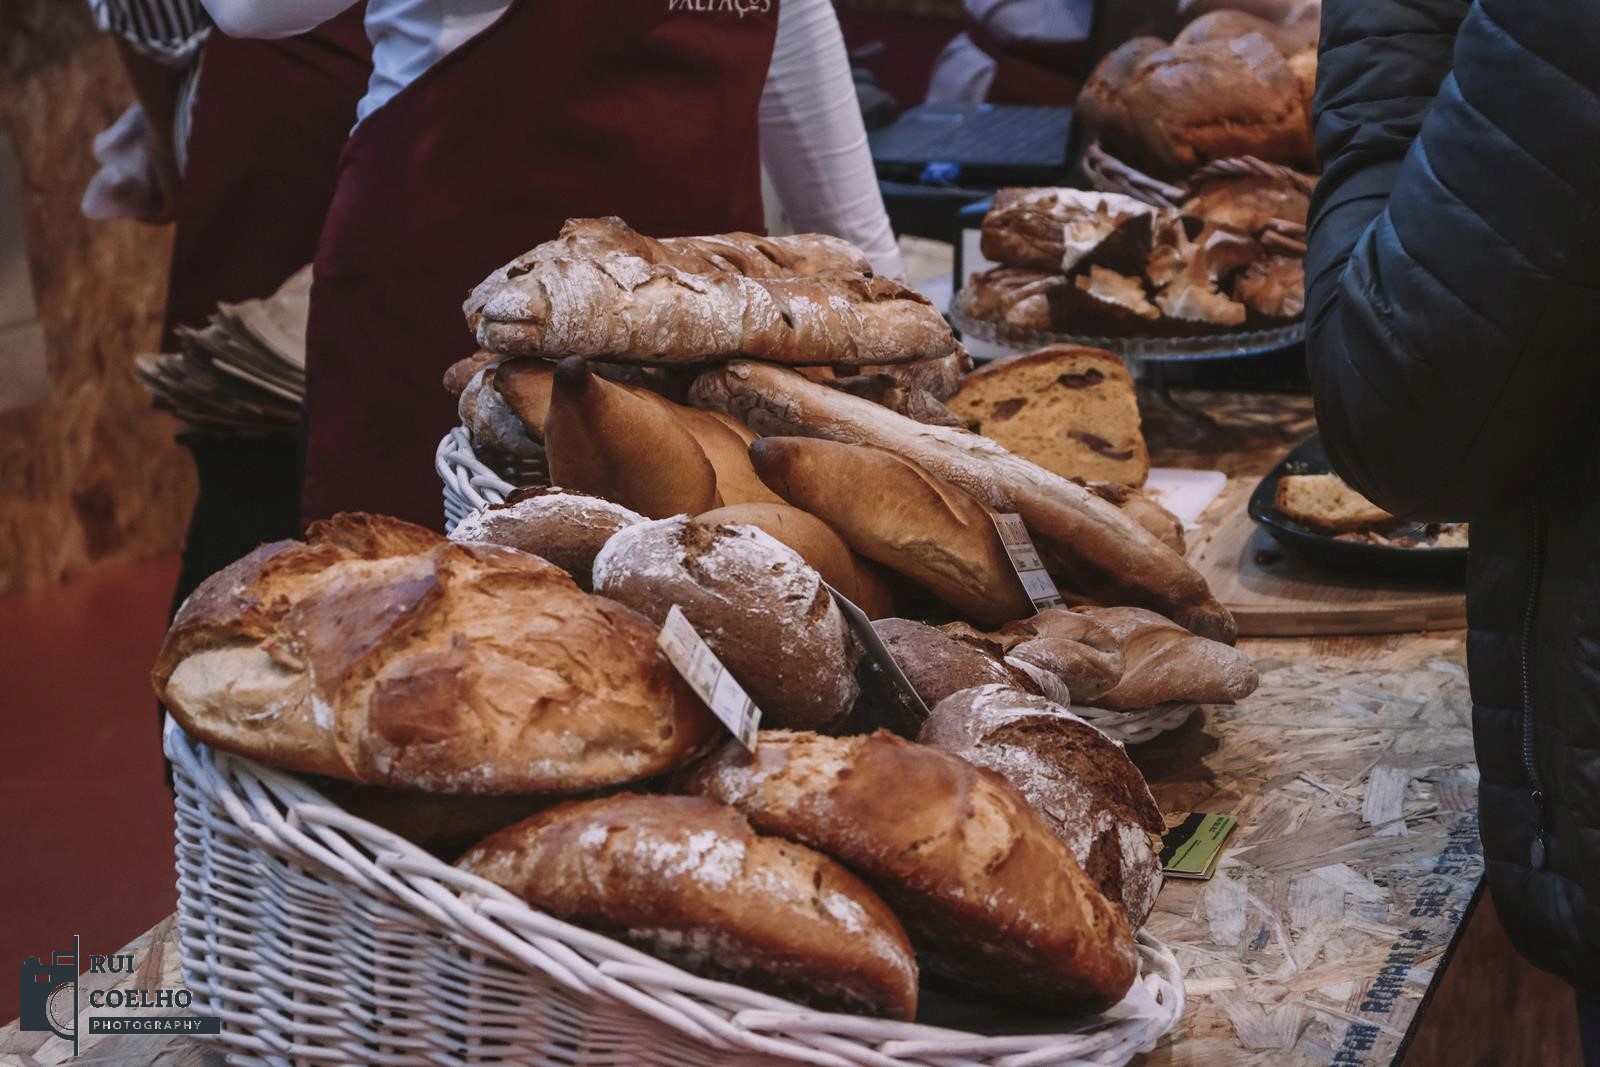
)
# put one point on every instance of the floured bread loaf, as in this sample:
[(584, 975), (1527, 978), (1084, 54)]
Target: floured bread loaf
[(911, 401), (623, 307), (1080, 780), (379, 652), (1084, 654), (689, 881), (818, 545), (525, 386), (763, 611), (938, 663), (995, 903), (1069, 409), (1162, 663), (491, 423), (568, 529)]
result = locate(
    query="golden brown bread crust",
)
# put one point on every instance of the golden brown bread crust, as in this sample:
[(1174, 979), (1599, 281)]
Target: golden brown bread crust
[(1274, 287), (993, 900), (1162, 662), (1248, 203), (379, 652), (1094, 546), (940, 377), (892, 511), (525, 385), (459, 373), (1017, 299), (1139, 507), (818, 545), (728, 452), (1078, 779), (1057, 229), (566, 528), (626, 445), (760, 608), (1225, 25), (938, 663), (1218, 99), (1103, 101), (689, 881)]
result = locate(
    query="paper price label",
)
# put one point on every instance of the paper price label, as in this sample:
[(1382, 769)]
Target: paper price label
[(908, 706), (711, 680), (1191, 848), (1025, 559)]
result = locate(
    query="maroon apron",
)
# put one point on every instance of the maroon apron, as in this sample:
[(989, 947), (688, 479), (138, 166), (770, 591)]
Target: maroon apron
[(269, 121), (1031, 72), (640, 108)]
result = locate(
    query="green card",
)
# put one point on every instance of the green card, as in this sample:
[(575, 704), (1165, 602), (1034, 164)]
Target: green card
[(1191, 849)]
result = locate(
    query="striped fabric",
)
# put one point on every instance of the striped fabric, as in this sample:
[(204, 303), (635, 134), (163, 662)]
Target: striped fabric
[(168, 31)]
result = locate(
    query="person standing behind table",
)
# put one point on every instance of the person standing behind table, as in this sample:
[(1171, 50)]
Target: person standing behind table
[(237, 142), (1015, 52), (1453, 310), (487, 124)]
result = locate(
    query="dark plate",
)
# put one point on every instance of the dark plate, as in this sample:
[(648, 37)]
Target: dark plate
[(1309, 458)]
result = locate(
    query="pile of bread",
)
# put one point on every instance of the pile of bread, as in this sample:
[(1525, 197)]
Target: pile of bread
[(505, 686), (1096, 264)]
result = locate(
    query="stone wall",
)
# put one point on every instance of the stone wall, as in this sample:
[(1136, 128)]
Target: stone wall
[(91, 474)]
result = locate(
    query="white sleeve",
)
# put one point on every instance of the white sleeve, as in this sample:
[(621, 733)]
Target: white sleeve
[(272, 18), (813, 143)]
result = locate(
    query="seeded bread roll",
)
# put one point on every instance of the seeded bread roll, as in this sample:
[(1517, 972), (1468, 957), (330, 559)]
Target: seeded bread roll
[(994, 902), (892, 511), (763, 611), (379, 652), (568, 529), (1080, 780), (689, 881), (819, 546), (1162, 662), (624, 445)]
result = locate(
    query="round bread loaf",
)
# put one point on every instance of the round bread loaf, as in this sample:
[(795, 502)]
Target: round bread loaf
[(756, 603), (689, 881), (994, 901), (1080, 780), (379, 652), (568, 529), (937, 664), (819, 546), (490, 422), (444, 824)]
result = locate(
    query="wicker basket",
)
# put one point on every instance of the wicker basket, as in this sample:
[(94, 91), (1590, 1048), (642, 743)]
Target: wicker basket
[(318, 937)]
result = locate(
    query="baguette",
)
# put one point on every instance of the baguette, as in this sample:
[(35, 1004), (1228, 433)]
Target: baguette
[(525, 386), (1164, 663), (995, 903), (892, 511), (728, 451), (1096, 547), (616, 442), (689, 881), (818, 545)]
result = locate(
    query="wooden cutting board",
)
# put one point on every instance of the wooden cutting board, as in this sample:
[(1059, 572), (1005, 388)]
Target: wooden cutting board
[(1274, 594)]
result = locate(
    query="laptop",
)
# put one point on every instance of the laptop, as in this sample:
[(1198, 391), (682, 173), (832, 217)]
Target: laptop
[(975, 145)]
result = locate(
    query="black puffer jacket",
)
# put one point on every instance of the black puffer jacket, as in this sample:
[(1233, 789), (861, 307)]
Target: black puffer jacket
[(1454, 343)]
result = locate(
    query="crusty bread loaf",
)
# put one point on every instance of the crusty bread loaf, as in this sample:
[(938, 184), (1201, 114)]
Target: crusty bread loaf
[(444, 824), (1060, 229), (492, 424), (1304, 65), (1142, 509), (1103, 102), (892, 511), (1248, 203), (938, 663), (1069, 409), (818, 544), (1018, 300), (624, 307), (746, 253), (760, 608), (1324, 502), (994, 902), (1195, 103), (911, 401), (1104, 303), (728, 450), (379, 652), (462, 371), (1070, 645), (1225, 25), (618, 443), (1162, 662), (568, 529), (1080, 780), (1274, 287), (689, 881), (1096, 548), (525, 385), (941, 377)]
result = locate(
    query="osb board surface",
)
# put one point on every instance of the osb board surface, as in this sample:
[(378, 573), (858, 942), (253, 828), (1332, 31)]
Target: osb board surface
[(92, 474), (1351, 772)]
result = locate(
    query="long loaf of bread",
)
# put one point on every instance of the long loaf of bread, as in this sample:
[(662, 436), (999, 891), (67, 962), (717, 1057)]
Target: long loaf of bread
[(1099, 549)]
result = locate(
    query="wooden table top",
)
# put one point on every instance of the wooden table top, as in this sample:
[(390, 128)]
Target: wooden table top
[(1351, 773)]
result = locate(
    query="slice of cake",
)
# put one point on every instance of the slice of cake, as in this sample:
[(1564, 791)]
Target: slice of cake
[(1323, 502), (1069, 409)]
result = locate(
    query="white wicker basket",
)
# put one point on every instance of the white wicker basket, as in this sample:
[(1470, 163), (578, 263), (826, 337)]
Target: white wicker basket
[(321, 938)]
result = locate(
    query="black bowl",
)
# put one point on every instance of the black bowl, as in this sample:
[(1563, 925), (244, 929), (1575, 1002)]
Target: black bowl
[(1327, 550)]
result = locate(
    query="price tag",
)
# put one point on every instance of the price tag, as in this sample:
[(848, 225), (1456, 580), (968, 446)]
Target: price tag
[(1191, 848), (711, 680), (907, 706), (1036, 581)]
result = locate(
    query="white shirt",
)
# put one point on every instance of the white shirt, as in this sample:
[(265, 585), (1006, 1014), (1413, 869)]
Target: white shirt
[(963, 72), (813, 143)]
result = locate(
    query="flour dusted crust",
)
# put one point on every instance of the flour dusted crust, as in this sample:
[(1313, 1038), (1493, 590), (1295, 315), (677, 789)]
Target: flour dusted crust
[(1092, 544), (689, 881), (379, 652), (1079, 779), (763, 611), (491, 423), (568, 529), (625, 307), (1163, 662), (1018, 299), (1058, 229), (995, 903), (938, 664), (818, 545)]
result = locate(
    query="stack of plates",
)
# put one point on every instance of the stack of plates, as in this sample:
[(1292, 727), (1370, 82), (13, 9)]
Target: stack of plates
[(243, 375)]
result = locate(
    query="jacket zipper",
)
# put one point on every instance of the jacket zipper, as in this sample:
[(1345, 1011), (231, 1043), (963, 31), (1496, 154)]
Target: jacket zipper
[(1536, 852)]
